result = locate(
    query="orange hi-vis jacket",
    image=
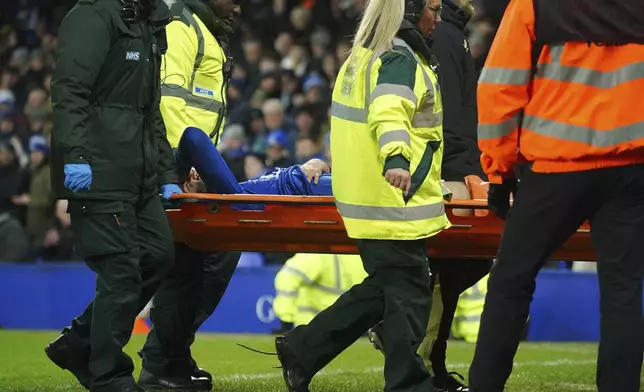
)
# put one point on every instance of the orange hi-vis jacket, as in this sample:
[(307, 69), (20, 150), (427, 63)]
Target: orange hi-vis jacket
[(582, 109)]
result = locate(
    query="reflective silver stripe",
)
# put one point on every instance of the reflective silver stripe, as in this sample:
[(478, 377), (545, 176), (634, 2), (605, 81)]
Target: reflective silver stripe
[(310, 282), (353, 211), (427, 119), (193, 101), (494, 131), (467, 319), (394, 136), (282, 293), (393, 89), (498, 75), (348, 113), (591, 77), (308, 309), (428, 80), (589, 136), (200, 45)]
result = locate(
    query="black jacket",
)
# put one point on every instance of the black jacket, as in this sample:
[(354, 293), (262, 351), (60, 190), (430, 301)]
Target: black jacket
[(458, 82), (105, 97)]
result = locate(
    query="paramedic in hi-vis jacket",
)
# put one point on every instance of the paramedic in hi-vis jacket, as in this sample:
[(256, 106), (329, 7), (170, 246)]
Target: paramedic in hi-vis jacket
[(387, 148), (194, 77), (578, 119), (309, 283)]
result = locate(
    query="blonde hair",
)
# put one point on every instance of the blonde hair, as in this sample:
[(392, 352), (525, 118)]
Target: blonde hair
[(381, 20)]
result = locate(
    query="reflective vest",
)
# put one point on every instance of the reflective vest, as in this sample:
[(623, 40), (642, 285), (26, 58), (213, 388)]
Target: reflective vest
[(385, 104), (193, 84), (467, 317), (309, 283), (581, 107)]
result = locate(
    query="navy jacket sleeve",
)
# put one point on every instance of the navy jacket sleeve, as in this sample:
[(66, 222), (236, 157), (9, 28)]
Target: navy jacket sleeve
[(449, 49)]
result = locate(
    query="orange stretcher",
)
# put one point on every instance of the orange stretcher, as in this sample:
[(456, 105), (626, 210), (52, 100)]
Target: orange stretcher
[(311, 224)]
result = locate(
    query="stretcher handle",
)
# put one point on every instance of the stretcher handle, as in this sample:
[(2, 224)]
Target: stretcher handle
[(279, 199)]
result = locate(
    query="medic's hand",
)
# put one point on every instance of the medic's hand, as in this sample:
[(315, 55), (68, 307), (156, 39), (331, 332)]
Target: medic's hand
[(399, 178), (169, 190), (78, 176), (314, 169), (498, 197)]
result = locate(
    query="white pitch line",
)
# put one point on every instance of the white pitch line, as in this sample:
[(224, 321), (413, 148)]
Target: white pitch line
[(331, 372)]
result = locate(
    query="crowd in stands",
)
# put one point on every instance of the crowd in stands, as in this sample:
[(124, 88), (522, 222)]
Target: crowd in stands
[(287, 54)]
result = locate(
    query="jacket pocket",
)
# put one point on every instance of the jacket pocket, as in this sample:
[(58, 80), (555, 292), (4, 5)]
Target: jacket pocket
[(97, 228)]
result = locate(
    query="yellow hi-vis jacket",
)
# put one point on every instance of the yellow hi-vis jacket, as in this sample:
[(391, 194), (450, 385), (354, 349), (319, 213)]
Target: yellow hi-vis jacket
[(467, 318), (309, 283), (193, 88), (383, 105)]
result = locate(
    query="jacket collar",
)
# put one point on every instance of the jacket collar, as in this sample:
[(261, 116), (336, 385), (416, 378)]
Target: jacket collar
[(455, 14), (215, 25), (409, 33)]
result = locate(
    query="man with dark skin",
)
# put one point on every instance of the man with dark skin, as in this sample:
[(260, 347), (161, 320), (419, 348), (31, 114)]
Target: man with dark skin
[(195, 74)]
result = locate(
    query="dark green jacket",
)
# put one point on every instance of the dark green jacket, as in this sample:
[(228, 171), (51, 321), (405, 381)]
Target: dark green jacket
[(105, 97)]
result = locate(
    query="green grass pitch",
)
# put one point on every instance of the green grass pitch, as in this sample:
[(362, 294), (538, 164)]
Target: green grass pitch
[(539, 367)]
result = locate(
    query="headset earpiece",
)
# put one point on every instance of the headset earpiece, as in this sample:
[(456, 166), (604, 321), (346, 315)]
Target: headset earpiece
[(414, 10)]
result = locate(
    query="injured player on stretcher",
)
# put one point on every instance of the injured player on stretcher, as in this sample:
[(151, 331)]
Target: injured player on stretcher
[(211, 174)]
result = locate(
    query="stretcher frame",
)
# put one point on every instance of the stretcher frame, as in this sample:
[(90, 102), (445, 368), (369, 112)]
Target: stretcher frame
[(312, 224)]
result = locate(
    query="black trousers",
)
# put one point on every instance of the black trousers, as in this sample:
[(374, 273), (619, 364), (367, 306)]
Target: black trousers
[(396, 291), (187, 297), (451, 279), (129, 246), (548, 209)]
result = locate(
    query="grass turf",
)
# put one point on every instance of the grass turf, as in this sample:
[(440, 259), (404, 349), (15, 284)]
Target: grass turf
[(539, 367)]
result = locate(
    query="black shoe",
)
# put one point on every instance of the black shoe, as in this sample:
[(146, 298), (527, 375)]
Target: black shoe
[(65, 357), (451, 384), (149, 381), (200, 373), (196, 372), (294, 376)]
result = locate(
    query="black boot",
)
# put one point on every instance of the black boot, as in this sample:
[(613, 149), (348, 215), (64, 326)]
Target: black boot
[(66, 357), (148, 380), (294, 376), (198, 372), (450, 384)]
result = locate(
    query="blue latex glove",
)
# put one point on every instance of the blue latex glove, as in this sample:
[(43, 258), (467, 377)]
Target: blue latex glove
[(169, 190), (78, 176)]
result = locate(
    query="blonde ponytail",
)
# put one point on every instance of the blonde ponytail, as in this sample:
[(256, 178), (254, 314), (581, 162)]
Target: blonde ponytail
[(381, 20)]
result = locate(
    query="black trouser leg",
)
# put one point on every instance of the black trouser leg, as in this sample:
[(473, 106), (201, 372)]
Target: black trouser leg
[(618, 238), (187, 297), (173, 309), (397, 291), (548, 209), (121, 242), (453, 277)]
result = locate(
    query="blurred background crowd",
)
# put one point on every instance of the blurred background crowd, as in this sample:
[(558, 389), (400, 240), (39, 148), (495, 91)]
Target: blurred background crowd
[(287, 54)]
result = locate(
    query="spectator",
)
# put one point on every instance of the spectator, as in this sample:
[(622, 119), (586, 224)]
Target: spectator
[(8, 135), (305, 149), (40, 204), (254, 166), (11, 178), (275, 119), (233, 149), (277, 153)]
